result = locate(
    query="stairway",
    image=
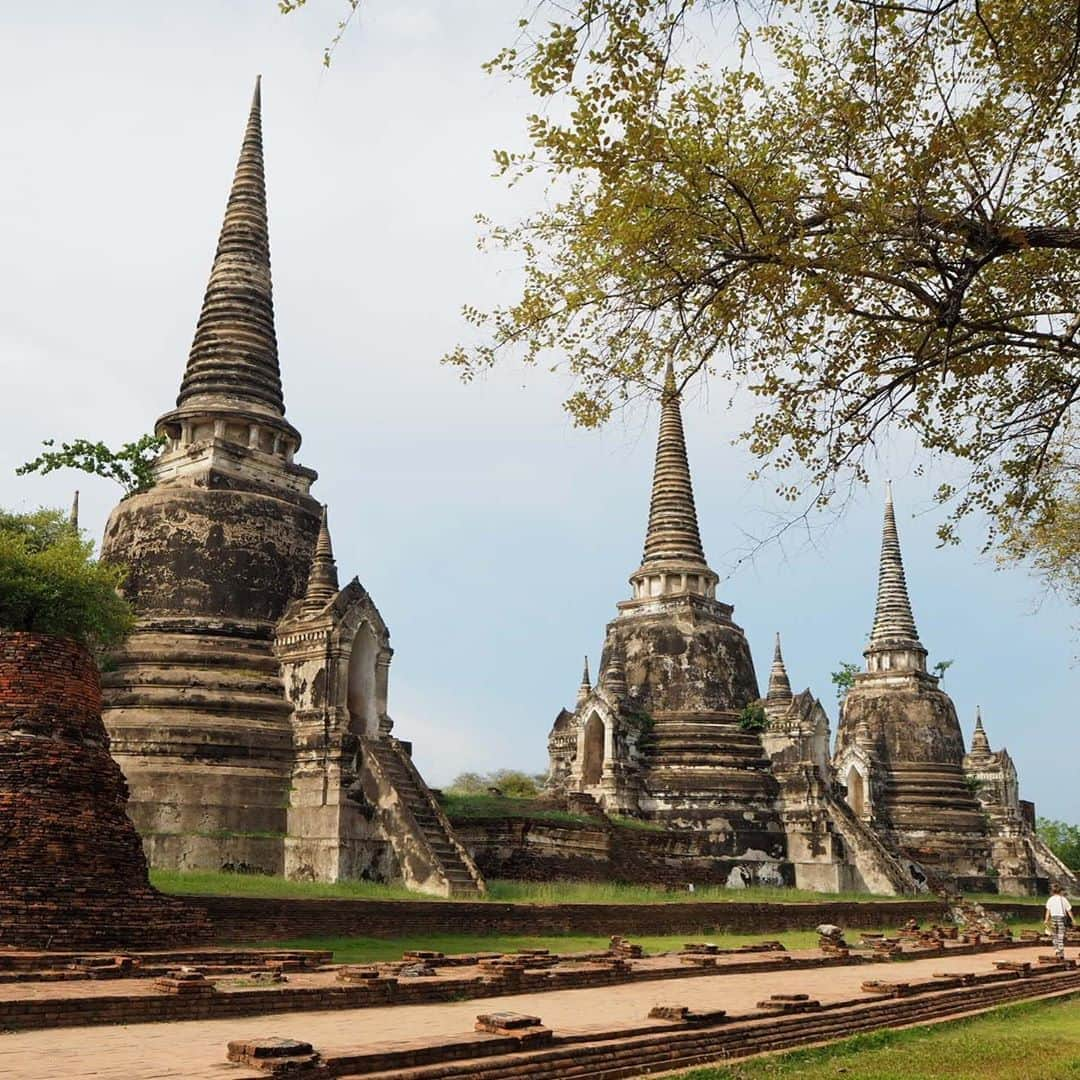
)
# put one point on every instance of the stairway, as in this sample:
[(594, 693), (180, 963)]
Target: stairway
[(444, 865), (882, 869)]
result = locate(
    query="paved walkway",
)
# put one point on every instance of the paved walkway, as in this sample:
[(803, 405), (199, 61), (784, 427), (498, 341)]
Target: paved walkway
[(195, 1050)]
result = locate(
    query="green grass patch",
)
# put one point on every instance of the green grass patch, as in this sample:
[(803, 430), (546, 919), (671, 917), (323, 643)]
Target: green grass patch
[(1017, 1042), (997, 898), (221, 883), (603, 892), (357, 950), (480, 807)]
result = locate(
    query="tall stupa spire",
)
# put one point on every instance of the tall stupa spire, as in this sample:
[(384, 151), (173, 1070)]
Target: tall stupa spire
[(674, 560), (894, 629), (779, 684), (585, 689), (234, 357), (980, 744), (322, 584)]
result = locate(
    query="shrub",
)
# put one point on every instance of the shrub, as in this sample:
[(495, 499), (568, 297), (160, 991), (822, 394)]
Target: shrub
[(51, 584), (1063, 840), (753, 717), (509, 782)]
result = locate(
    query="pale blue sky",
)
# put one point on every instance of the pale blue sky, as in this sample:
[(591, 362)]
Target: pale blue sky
[(495, 539)]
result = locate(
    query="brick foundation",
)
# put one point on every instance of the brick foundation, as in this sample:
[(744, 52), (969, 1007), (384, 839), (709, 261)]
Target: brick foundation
[(250, 919), (72, 869)]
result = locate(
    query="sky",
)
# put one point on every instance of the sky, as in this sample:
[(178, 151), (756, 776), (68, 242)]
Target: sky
[(495, 538)]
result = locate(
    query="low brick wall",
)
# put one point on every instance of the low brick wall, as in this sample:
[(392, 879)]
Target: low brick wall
[(247, 919)]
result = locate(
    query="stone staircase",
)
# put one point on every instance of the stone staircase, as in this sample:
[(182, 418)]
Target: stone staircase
[(880, 868), (430, 855)]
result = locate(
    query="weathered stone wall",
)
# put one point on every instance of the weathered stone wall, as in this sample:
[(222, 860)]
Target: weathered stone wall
[(72, 870), (214, 550), (682, 654), (541, 850), (195, 705)]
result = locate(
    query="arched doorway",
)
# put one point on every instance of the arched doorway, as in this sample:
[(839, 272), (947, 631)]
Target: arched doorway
[(856, 792), (593, 762), (363, 700)]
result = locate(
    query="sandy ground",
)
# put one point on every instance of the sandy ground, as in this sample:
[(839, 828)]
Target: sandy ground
[(195, 1050)]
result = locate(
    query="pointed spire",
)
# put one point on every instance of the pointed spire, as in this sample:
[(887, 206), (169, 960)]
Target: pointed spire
[(73, 517), (980, 744), (673, 561), (322, 584), (894, 625), (673, 525), (585, 689), (234, 357), (779, 684)]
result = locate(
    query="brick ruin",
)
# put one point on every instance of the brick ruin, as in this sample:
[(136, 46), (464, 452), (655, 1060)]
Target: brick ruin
[(248, 710), (72, 868), (674, 732)]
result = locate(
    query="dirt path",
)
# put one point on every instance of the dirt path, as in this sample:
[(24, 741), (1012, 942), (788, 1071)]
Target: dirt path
[(195, 1050)]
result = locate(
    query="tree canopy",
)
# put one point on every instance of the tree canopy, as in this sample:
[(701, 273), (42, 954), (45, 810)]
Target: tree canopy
[(1063, 840), (51, 584), (864, 214), (132, 466)]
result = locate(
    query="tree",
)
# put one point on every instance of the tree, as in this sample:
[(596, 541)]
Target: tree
[(1063, 840), (131, 466), (508, 782), (1050, 546), (844, 679), (51, 584), (879, 235)]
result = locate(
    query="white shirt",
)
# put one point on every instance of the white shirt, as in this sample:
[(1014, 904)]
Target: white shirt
[(1058, 905)]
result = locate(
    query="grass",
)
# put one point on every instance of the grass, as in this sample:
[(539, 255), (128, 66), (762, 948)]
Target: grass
[(1035, 1039), (604, 892), (356, 950), (220, 883), (478, 807)]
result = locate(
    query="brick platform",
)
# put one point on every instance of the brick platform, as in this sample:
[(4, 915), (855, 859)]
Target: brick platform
[(669, 1037), (72, 867), (251, 983)]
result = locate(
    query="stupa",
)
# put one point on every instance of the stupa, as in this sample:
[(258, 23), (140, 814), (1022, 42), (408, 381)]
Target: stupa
[(661, 735), (899, 748), (248, 710)]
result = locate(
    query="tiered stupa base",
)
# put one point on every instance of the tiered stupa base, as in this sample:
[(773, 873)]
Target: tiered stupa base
[(200, 726)]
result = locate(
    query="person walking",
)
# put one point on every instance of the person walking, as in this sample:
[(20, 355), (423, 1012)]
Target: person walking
[(1058, 918)]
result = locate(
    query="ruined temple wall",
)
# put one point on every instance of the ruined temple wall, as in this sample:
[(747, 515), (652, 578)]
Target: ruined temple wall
[(212, 549), (194, 702), (681, 654), (538, 850), (72, 868)]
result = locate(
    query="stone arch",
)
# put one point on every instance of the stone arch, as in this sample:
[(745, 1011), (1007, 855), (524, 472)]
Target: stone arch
[(856, 792), (363, 682), (592, 763)]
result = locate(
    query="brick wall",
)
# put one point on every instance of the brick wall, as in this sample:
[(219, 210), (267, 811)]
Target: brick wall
[(72, 869), (247, 919)]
